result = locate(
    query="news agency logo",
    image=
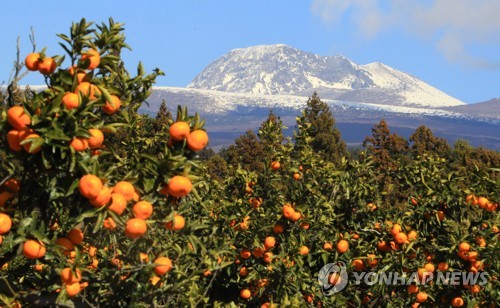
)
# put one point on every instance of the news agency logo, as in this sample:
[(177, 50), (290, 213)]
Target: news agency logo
[(333, 278)]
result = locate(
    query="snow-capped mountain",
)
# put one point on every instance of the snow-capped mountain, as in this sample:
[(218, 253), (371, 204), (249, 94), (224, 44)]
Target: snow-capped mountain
[(281, 69)]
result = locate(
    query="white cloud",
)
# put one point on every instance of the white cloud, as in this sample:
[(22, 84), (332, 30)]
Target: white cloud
[(455, 25)]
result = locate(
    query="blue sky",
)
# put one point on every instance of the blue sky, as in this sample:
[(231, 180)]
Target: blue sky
[(453, 45)]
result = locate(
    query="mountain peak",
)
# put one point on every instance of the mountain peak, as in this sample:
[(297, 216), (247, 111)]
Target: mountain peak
[(282, 69)]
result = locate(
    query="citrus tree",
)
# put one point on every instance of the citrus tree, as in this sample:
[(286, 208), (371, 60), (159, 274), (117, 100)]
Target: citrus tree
[(100, 205), (86, 213), (284, 223)]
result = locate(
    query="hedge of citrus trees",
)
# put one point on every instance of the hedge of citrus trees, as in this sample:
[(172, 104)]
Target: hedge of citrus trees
[(100, 205)]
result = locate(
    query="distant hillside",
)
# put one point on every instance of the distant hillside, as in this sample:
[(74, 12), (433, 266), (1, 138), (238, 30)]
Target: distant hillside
[(487, 109)]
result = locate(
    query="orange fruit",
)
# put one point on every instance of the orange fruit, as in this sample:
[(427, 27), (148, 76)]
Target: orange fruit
[(382, 246), (472, 256), (143, 257), (443, 266), (90, 186), (395, 229), (429, 267), (197, 140), (154, 280), (91, 59), (471, 199), (334, 279), (296, 216), (475, 289), (491, 207), (12, 185), (179, 130), (423, 274), (268, 257), (69, 276), (32, 60), (23, 133), (244, 271), (86, 89), (71, 100), (39, 267), (412, 235), (13, 140), (245, 293), (421, 297), (288, 211), (27, 145), (441, 215), (245, 253), (327, 246), (358, 264), (103, 198), (65, 245), (164, 265), (394, 246), (401, 238), (371, 260), (275, 165), (109, 223), (80, 75), (94, 265), (480, 241), (142, 209), (92, 251), (482, 202), (304, 250), (79, 144), (136, 196), (296, 176), (278, 228), (33, 249), (75, 235), (462, 255), (255, 202), (1, 240), (5, 196), (309, 297), (18, 118), (96, 138), (113, 106), (412, 289), (73, 289), (464, 247), (118, 203), (342, 246), (47, 65), (179, 186), (135, 228), (207, 273), (269, 242), (5, 223), (125, 188), (258, 252), (176, 224), (457, 302)]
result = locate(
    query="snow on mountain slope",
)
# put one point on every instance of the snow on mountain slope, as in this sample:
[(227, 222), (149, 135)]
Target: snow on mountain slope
[(211, 102), (280, 69), (412, 88)]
